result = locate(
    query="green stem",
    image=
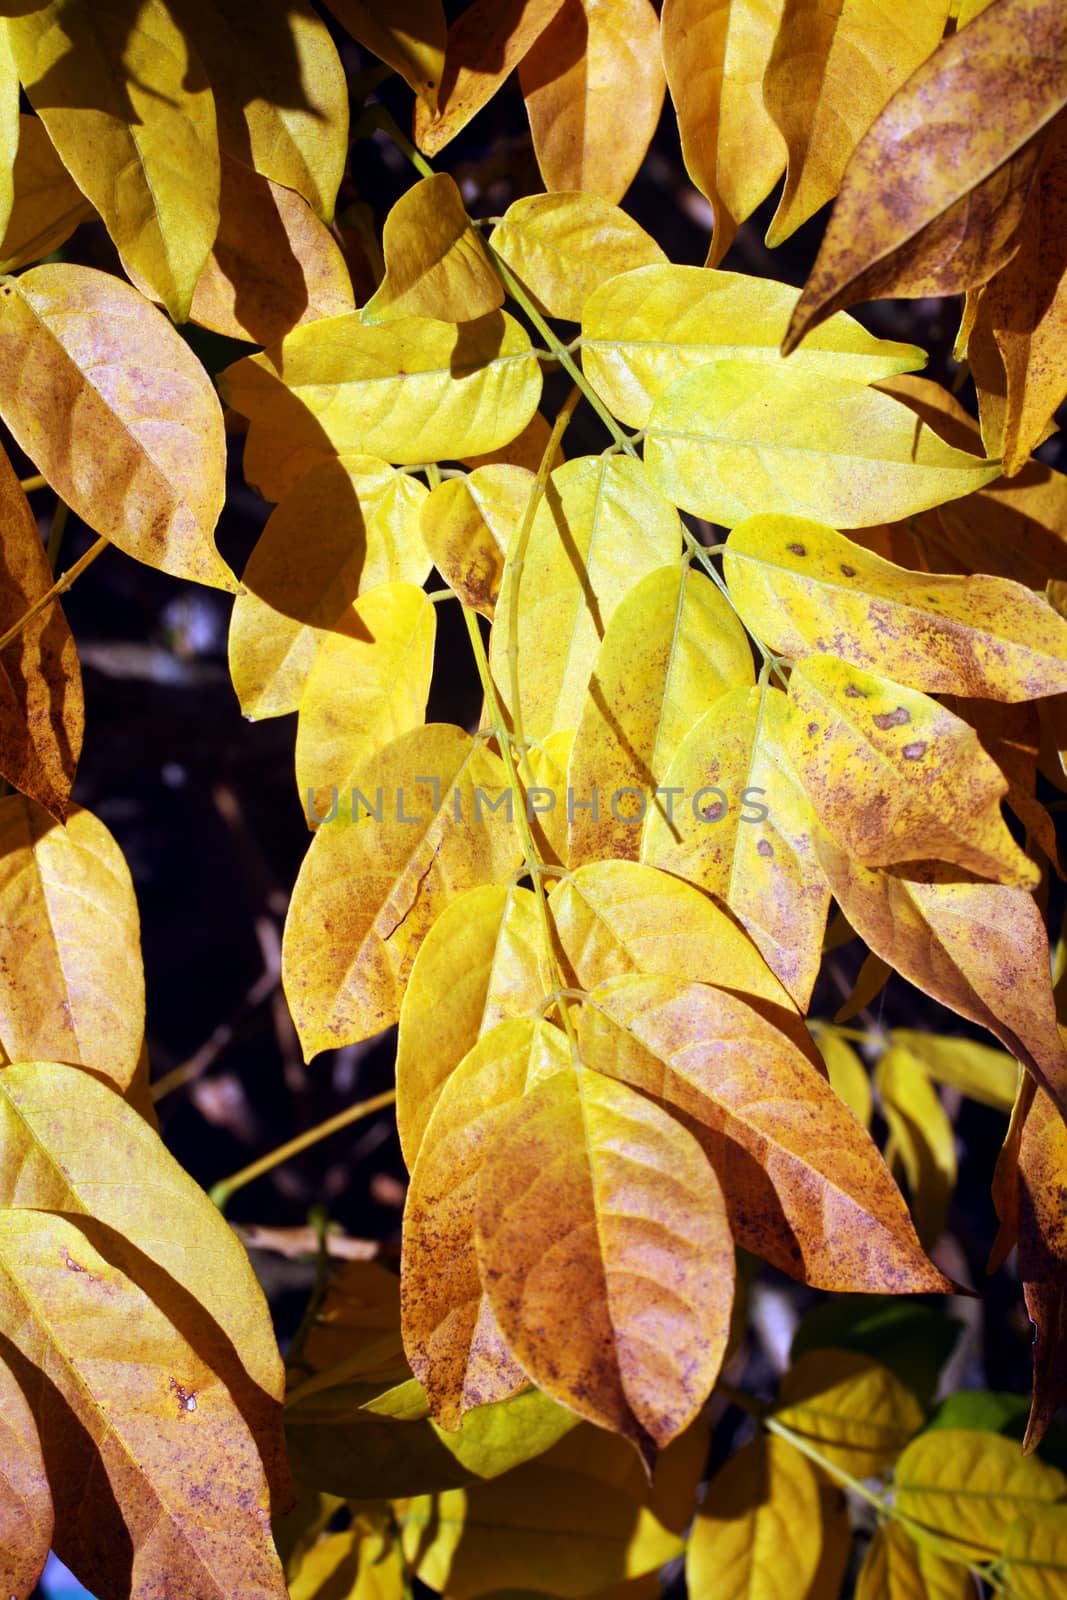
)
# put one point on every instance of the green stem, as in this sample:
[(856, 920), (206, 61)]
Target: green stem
[(319, 1220), (223, 1191)]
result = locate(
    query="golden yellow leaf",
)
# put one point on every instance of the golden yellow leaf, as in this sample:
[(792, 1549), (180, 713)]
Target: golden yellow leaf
[(485, 44), (932, 198), (563, 246), (352, 1565), (804, 1183), (148, 1454), (435, 263), (411, 39), (715, 57), (759, 1532), (969, 1487), (549, 761), (48, 205), (482, 962), (273, 266), (9, 128), (803, 587), (118, 415), (66, 993), (977, 1070), (895, 777), (123, 96), (896, 1568), (41, 708), (605, 1253), (467, 525), (525, 450), (451, 1335), (593, 84), (26, 1517), (280, 91), (600, 527), (921, 1139), (740, 437), (645, 328), (370, 889), (832, 69), (409, 390), (1035, 1555), (672, 648), (980, 948), (544, 1529), (848, 1076), (741, 830), (871, 979), (368, 684), (348, 526), (852, 1409), (607, 1458)]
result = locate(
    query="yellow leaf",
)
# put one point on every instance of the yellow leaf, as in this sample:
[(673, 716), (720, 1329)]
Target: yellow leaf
[(346, 527), (969, 1487), (977, 1070), (411, 39), (1042, 1224), (124, 99), (593, 84), (599, 529), (740, 437), (980, 948), (147, 1451), (895, 777), (672, 647), (540, 1529), (896, 1568), (280, 91), (48, 205), (832, 69), (41, 709), (921, 1137), (485, 44), (368, 684), (848, 1076), (804, 1183), (435, 263), (369, 890), (549, 761), (451, 1336), (66, 993), (352, 1565), (409, 390), (482, 962), (607, 1458), (852, 1409), (273, 266), (9, 128), (715, 56), (741, 830), (870, 981), (26, 1518), (118, 414), (467, 525), (563, 246), (759, 1532), (644, 329), (525, 450), (802, 587), (932, 198), (1035, 1556), (605, 1253)]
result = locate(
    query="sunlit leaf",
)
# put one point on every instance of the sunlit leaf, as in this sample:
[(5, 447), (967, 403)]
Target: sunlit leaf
[(467, 524), (715, 56), (352, 1565), (369, 890), (563, 246), (25, 1500), (896, 1568), (977, 1070), (9, 128), (853, 1410), (593, 84), (118, 415), (932, 199), (848, 1076), (123, 96), (645, 328), (970, 1487), (348, 526), (411, 39), (759, 1531), (921, 1137), (435, 264)]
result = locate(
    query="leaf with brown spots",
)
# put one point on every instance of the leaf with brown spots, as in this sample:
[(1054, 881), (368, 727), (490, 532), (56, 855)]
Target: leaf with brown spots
[(895, 777), (802, 587), (605, 1253), (467, 525), (804, 1183), (931, 201), (26, 1517)]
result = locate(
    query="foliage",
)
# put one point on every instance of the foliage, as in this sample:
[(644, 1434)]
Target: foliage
[(598, 916)]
